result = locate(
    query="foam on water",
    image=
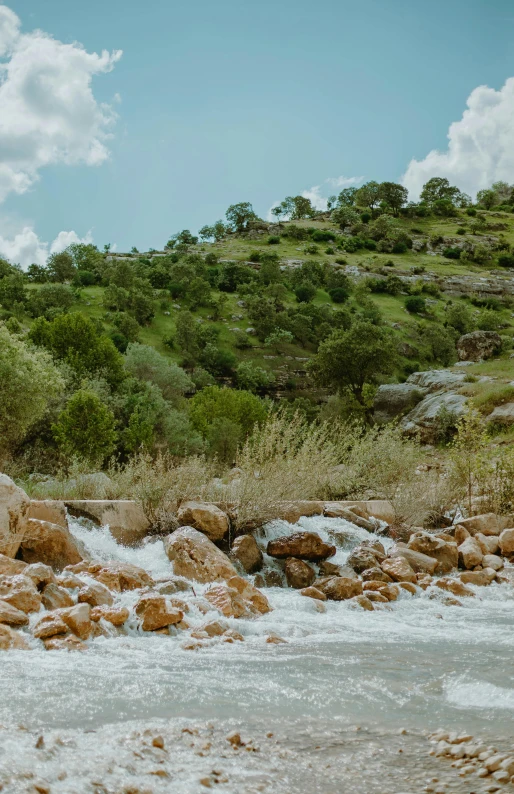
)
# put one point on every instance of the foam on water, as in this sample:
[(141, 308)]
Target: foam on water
[(467, 693)]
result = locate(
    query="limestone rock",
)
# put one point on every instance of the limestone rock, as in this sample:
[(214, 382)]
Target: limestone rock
[(246, 551), (251, 594), (49, 510), (196, 557), (492, 561), (376, 575), (420, 563), (470, 553), (155, 613), (371, 508), (20, 592), (376, 597), (205, 517), (302, 545), (460, 534), (507, 542), (14, 507), (10, 567), (68, 643), (115, 615), (487, 524), (78, 619), (120, 576), (490, 544), (51, 544), (172, 585), (454, 586), (399, 569), (480, 578), (55, 597), (95, 594), (11, 615), (40, 574), (423, 420), (478, 345), (49, 625), (299, 574), (12, 640), (361, 559), (293, 511), (238, 598), (125, 519), (363, 602), (313, 592), (395, 399), (68, 579), (340, 588), (445, 553)]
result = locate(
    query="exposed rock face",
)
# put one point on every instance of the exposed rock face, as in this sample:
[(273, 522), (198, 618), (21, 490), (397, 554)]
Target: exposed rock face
[(396, 399), (424, 419), (445, 553), (478, 345), (196, 557), (339, 588), (502, 415), (470, 553), (303, 545), (11, 615), (19, 591), (11, 640), (507, 542), (246, 551), (51, 544), (207, 518), (155, 613), (14, 508), (399, 569), (126, 520), (48, 510), (55, 597), (299, 574)]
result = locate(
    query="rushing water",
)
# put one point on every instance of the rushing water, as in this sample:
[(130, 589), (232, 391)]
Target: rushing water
[(415, 664)]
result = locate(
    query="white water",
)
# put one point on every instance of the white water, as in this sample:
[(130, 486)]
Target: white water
[(416, 663)]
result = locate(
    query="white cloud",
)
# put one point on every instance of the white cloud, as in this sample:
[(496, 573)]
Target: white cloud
[(25, 247), (317, 200), (343, 181), (480, 149), (48, 113)]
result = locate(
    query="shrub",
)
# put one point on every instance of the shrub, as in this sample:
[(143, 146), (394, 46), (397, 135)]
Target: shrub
[(305, 293), (252, 378), (86, 428), (341, 261), (323, 236), (471, 211), (214, 402), (461, 230), (489, 321), (146, 364), (452, 253), (400, 248), (273, 239), (50, 297), (415, 304), (506, 260), (338, 294), (459, 316)]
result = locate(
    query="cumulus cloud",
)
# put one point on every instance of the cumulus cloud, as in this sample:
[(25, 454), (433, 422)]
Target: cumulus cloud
[(48, 113), (314, 194), (480, 149), (25, 247)]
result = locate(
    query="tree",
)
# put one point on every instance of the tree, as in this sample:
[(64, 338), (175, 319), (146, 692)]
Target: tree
[(29, 381), (345, 216), (86, 428), (394, 195), (356, 358), (269, 272), (215, 402), (50, 300), (278, 211), (439, 188), (346, 198), (60, 267), (298, 207), (415, 304), (206, 232), (37, 274), (368, 196), (278, 338), (305, 292), (252, 378), (187, 336), (459, 317), (239, 215), (486, 198), (12, 290), (224, 436), (147, 364)]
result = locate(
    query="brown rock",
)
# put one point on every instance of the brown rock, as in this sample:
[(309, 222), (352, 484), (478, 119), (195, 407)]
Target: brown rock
[(454, 586), (507, 542), (492, 561), (14, 507), (19, 591), (299, 574), (172, 585), (424, 580), (205, 517), (376, 508), (340, 588), (490, 544), (238, 598), (293, 511), (232, 635), (480, 578), (420, 563), (51, 544), (10, 567), (408, 587), (55, 597), (313, 592), (69, 580), (212, 629), (11, 615), (12, 640), (48, 510), (246, 551), (361, 559), (80, 567), (375, 575), (327, 568), (390, 592), (78, 619), (115, 615), (349, 514), (69, 643), (195, 557), (376, 597), (95, 594), (470, 553), (125, 518), (399, 569), (274, 639), (362, 601), (155, 613), (40, 574), (460, 534), (258, 601), (49, 625), (445, 553), (487, 524), (302, 545)]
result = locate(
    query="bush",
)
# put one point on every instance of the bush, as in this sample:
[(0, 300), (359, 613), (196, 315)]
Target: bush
[(341, 261), (86, 428), (252, 378), (400, 248), (415, 304), (215, 402), (305, 293), (471, 211), (273, 239), (452, 253), (58, 297), (323, 236), (459, 317), (461, 230), (506, 260), (146, 364), (338, 294)]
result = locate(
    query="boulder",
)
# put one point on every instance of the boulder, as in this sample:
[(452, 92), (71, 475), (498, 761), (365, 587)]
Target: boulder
[(470, 553), (492, 561), (247, 553), (313, 592), (423, 420), (487, 524), (67, 643), (14, 508), (399, 569), (490, 544), (502, 415), (434, 380), (375, 575), (460, 534), (49, 510), (155, 613), (507, 542), (78, 619), (120, 576), (95, 594), (172, 585), (10, 567), (293, 511), (12, 640), (125, 519), (390, 592), (196, 557), (55, 597), (454, 586), (205, 517), (478, 345), (40, 574), (339, 588), (115, 615), (363, 602), (445, 553), (51, 544), (376, 598), (11, 615), (299, 574), (238, 598), (49, 625), (303, 545), (480, 578), (258, 601), (361, 559), (372, 508), (20, 592), (327, 568), (420, 563), (395, 399)]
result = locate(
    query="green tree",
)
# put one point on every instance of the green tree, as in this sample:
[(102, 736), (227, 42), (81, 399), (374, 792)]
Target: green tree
[(351, 360), (345, 216), (239, 216), (252, 378), (187, 336), (278, 338), (278, 212), (60, 267), (298, 207), (86, 428), (439, 188), (147, 364), (441, 344), (214, 402), (368, 196), (269, 272), (459, 317), (50, 299), (394, 195), (12, 290), (346, 197), (224, 436), (29, 381)]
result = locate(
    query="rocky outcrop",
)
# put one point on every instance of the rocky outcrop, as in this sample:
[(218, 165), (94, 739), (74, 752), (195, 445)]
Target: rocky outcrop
[(479, 345), (205, 517), (126, 520), (423, 421), (247, 553), (303, 545), (299, 574), (196, 557), (14, 508), (502, 415), (395, 399)]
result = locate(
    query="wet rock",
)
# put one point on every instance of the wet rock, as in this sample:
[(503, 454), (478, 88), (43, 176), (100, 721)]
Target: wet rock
[(361, 558), (172, 585), (20, 592), (40, 574), (408, 587), (50, 544), (352, 517), (95, 594), (363, 602), (212, 629), (55, 597), (252, 596), (114, 615), (14, 508), (246, 551), (390, 592), (478, 345), (302, 545), (155, 613), (460, 534), (490, 544), (68, 643), (237, 599), (121, 575), (270, 578), (480, 578), (486, 523), (313, 592), (293, 511), (204, 517), (125, 518), (399, 569), (424, 580), (69, 580), (274, 639), (11, 640), (492, 561), (470, 553), (327, 568), (507, 542), (49, 625), (196, 557), (10, 567), (340, 588), (78, 619), (375, 575), (299, 574), (454, 586), (445, 553), (376, 597), (11, 615), (419, 563)]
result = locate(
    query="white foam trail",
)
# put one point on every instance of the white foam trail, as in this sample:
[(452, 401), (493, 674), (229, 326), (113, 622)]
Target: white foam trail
[(468, 693)]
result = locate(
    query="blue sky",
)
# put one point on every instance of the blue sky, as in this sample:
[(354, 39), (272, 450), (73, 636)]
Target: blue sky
[(228, 101)]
